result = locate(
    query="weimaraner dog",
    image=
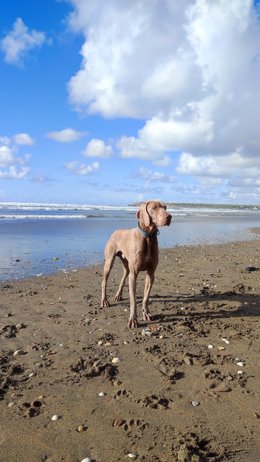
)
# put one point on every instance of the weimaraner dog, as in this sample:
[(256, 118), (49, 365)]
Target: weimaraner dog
[(138, 251)]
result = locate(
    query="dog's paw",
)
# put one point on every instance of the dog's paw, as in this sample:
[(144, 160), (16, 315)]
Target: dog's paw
[(147, 316), (118, 297), (132, 323), (104, 304)]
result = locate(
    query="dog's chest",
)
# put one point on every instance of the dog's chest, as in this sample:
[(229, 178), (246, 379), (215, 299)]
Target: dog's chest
[(148, 256)]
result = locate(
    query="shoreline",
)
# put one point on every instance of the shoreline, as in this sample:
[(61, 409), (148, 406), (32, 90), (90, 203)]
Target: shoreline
[(175, 383), (255, 231)]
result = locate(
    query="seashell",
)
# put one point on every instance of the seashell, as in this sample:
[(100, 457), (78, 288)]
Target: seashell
[(117, 422), (18, 352), (240, 364), (147, 331)]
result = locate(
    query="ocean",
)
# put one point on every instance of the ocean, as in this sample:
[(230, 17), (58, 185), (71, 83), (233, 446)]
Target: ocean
[(41, 239)]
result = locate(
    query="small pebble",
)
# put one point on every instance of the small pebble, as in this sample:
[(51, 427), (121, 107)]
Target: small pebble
[(210, 346), (132, 455), (240, 364), (239, 372), (55, 417), (102, 394), (81, 428), (226, 341), (195, 403), (87, 459), (115, 360)]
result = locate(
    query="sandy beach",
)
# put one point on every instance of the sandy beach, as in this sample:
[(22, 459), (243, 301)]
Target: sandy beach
[(184, 388)]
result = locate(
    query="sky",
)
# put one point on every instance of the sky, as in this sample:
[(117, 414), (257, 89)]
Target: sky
[(113, 102)]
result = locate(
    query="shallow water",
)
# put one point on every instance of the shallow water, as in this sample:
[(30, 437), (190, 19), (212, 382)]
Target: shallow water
[(36, 242)]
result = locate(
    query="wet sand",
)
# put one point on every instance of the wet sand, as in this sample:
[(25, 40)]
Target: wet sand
[(182, 388)]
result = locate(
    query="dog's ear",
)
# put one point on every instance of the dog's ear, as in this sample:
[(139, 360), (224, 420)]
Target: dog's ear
[(143, 215)]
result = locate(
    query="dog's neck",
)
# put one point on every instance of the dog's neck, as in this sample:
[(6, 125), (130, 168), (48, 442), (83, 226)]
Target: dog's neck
[(148, 231)]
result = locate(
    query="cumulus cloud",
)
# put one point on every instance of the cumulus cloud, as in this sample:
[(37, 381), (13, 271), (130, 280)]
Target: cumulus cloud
[(82, 169), (233, 164), (11, 165), (6, 156), (67, 135), (190, 69), (23, 139), (97, 148), (19, 41)]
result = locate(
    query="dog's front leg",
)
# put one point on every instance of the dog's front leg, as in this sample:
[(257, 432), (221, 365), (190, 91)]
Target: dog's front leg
[(132, 292), (147, 289)]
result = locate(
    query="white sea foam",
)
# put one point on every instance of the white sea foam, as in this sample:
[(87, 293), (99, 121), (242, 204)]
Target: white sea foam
[(18, 210)]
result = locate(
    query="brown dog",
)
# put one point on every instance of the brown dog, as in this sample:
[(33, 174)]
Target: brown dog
[(138, 250)]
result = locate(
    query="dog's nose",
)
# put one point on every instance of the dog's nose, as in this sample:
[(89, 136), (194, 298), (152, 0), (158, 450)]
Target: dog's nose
[(169, 219)]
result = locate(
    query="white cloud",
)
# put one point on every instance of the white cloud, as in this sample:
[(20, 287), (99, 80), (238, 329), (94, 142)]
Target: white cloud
[(14, 173), (82, 169), (19, 41), (190, 69), (152, 176), (68, 135), (134, 73), (11, 165), (6, 156), (231, 165), (97, 148), (5, 140), (23, 139)]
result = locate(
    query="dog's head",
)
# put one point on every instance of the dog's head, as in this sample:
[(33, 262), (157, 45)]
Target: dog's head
[(153, 213)]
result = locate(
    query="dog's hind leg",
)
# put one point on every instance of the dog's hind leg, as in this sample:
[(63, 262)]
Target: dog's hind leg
[(109, 260), (118, 295)]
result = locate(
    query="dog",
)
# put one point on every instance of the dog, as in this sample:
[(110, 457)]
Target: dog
[(138, 251)]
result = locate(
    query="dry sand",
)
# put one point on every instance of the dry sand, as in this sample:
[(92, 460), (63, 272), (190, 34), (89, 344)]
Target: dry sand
[(170, 397)]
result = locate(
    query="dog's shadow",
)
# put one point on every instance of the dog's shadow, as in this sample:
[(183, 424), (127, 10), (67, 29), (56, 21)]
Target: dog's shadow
[(249, 305)]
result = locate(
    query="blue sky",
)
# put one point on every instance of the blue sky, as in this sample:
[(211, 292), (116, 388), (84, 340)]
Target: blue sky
[(115, 102)]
